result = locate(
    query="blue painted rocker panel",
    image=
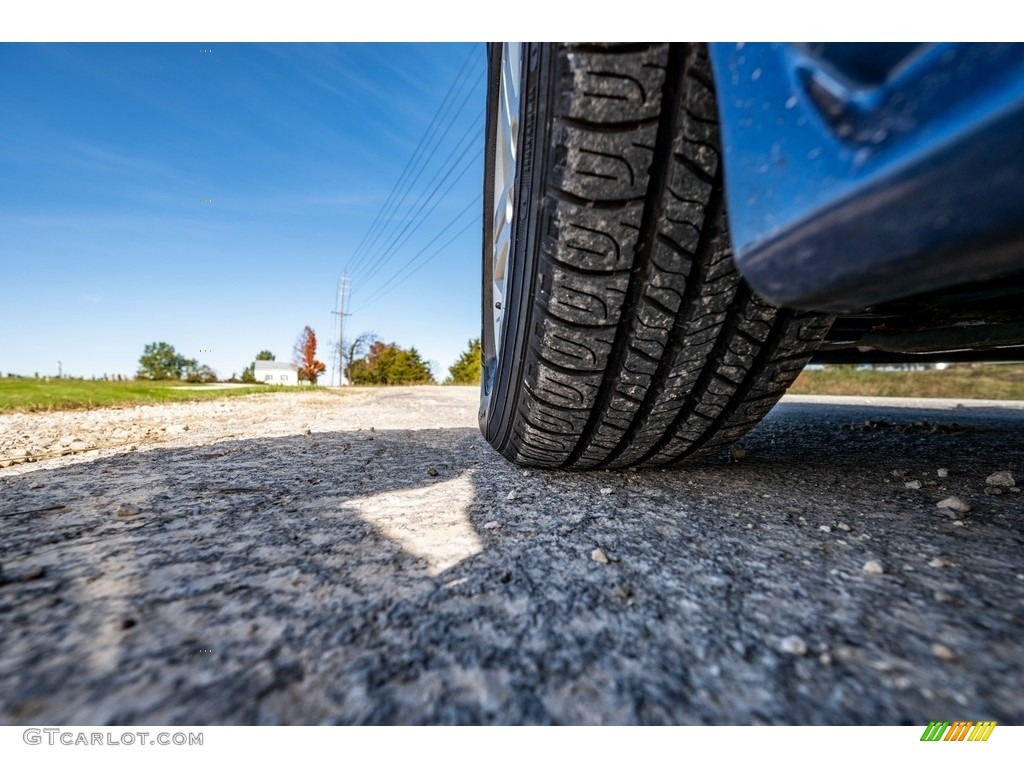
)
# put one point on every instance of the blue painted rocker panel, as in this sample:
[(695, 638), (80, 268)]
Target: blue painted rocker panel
[(860, 173)]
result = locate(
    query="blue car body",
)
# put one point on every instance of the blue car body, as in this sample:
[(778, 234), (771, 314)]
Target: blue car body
[(857, 174)]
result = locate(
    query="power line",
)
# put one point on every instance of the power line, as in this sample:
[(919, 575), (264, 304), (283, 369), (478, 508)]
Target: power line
[(472, 204), (473, 128), (422, 212), (379, 294), (373, 233), (441, 109)]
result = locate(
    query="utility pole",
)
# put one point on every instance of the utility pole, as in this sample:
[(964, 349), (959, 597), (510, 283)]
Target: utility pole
[(339, 355)]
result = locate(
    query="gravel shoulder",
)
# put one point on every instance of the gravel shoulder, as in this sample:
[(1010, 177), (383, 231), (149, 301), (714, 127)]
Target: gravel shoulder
[(366, 558)]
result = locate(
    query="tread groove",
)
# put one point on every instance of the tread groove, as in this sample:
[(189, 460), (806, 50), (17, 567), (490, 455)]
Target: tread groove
[(659, 163)]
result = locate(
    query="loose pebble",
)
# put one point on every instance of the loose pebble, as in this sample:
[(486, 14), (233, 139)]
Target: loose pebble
[(36, 572), (600, 556), (843, 527), (872, 568), (942, 472), (512, 496), (126, 510), (914, 484), (1003, 479), (490, 525), (526, 473), (940, 562), (824, 528), (793, 645), (606, 491), (953, 507), (943, 652)]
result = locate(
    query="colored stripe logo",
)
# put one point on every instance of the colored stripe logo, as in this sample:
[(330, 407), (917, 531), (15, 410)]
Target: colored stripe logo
[(961, 730)]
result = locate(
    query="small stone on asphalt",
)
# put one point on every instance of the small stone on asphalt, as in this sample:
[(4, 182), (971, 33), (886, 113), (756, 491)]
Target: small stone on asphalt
[(1003, 479), (914, 484), (600, 556), (606, 491), (942, 472), (956, 507), (126, 510), (793, 645), (943, 652), (872, 568), (33, 573)]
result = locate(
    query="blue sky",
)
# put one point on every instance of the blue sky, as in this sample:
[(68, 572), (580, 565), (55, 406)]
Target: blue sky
[(107, 152)]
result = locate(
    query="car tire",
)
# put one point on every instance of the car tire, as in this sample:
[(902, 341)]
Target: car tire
[(616, 331)]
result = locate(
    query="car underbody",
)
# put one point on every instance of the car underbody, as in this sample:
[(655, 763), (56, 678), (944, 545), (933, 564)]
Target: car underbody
[(969, 323)]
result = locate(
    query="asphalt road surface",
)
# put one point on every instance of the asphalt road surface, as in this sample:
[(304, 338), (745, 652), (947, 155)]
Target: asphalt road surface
[(407, 574)]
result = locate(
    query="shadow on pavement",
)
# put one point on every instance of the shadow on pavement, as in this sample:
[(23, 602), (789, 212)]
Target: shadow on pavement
[(416, 577)]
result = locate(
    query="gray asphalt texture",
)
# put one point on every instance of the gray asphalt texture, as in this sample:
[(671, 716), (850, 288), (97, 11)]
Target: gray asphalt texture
[(411, 576)]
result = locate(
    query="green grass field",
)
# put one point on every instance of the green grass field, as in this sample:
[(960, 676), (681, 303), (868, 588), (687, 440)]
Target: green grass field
[(65, 394), (986, 382)]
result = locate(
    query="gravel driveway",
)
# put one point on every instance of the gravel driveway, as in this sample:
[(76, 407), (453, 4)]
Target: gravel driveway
[(365, 557)]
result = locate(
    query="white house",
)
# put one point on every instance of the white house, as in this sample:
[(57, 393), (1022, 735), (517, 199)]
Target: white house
[(269, 372)]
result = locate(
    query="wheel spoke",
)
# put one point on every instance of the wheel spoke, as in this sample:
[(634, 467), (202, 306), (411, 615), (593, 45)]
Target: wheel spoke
[(506, 151)]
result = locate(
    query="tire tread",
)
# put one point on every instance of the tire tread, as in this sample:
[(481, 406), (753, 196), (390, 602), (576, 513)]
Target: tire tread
[(647, 348)]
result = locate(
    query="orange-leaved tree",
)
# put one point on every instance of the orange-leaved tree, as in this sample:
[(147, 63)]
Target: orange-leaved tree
[(305, 356)]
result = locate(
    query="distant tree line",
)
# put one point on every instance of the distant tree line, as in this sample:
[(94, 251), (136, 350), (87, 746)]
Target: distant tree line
[(366, 361), (160, 362), (469, 367), (389, 364)]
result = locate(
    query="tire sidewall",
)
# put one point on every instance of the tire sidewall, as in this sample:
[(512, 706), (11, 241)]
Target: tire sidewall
[(502, 374)]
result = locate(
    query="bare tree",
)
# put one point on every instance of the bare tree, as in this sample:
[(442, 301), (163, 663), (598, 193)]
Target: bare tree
[(356, 349)]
